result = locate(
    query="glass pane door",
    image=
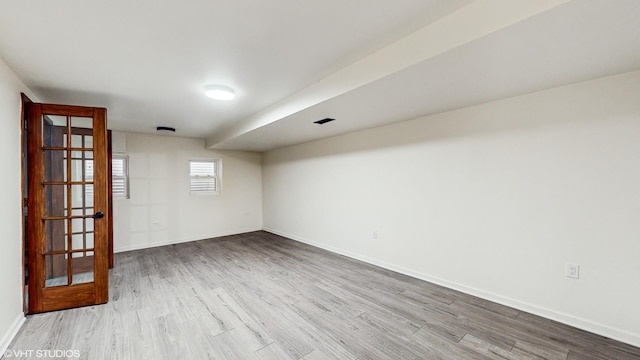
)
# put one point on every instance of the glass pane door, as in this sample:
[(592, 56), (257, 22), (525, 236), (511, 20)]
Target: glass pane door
[(68, 207)]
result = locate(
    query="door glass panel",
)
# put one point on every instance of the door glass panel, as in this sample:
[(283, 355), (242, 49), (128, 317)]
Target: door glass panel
[(77, 166), (84, 277), (82, 122), (77, 226), (55, 168), (89, 240), (55, 270), (82, 169), (76, 141), (77, 242), (55, 235), (88, 195), (81, 196), (56, 120), (55, 200), (88, 225), (82, 269), (88, 165), (54, 129)]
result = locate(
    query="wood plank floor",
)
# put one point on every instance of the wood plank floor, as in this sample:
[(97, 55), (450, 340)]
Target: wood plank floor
[(261, 296)]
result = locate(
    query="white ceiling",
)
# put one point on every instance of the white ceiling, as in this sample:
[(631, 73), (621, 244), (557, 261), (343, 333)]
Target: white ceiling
[(579, 41), (148, 61), (292, 62)]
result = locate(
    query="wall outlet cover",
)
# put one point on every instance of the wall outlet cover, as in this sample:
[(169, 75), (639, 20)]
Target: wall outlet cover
[(573, 271)]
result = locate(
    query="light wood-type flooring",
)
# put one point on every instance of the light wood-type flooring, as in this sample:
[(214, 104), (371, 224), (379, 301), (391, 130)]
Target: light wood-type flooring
[(261, 296)]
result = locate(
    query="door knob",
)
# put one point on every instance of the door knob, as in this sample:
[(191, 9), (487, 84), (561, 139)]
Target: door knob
[(98, 215)]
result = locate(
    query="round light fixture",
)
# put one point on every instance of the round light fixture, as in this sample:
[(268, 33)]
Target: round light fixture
[(219, 92)]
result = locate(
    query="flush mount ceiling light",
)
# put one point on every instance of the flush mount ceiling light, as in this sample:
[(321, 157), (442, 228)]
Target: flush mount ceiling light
[(219, 92)]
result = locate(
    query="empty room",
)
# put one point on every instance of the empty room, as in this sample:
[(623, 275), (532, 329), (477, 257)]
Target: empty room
[(285, 179)]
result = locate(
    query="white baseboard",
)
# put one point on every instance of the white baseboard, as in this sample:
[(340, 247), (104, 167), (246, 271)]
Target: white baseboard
[(568, 319), (178, 241), (10, 334)]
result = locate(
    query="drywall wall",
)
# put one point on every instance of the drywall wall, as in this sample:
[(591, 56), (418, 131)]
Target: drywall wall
[(160, 210), (11, 316), (493, 200)]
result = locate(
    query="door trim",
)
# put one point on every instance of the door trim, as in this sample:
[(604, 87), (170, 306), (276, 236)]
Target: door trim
[(24, 117)]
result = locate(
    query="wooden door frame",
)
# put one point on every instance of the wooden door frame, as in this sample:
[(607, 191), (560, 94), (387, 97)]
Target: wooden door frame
[(23, 157), (110, 180)]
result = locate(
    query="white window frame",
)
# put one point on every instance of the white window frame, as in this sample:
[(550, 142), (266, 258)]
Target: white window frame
[(124, 177), (217, 176)]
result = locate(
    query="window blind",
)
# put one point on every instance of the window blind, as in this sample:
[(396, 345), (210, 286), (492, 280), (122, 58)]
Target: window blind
[(203, 176), (119, 174)]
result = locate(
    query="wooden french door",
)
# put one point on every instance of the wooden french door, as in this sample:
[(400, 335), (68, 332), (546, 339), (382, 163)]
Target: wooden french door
[(68, 207)]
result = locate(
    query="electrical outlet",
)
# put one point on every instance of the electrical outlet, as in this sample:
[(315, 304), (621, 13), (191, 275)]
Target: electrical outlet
[(573, 271), (374, 235)]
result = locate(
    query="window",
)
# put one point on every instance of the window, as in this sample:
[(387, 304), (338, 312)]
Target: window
[(120, 176), (204, 177)]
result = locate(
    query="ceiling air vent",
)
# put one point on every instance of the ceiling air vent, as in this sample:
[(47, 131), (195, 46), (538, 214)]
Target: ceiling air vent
[(323, 121), (165, 128)]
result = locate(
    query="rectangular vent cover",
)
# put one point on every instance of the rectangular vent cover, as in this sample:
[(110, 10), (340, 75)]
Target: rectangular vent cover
[(323, 121)]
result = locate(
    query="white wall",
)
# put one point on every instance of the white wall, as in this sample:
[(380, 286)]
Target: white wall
[(493, 200), (159, 192), (11, 316)]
